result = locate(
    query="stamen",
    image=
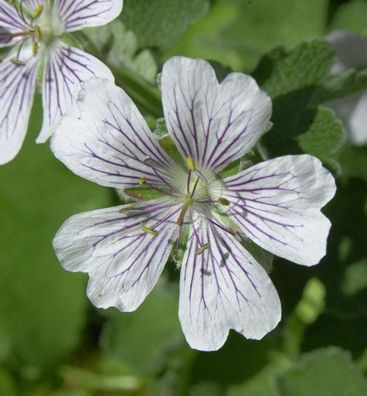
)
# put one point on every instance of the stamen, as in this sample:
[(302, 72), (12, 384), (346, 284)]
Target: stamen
[(188, 202), (37, 11), (223, 201), (17, 62), (201, 249), (127, 208), (35, 48), (191, 165), (150, 231), (142, 181), (37, 33)]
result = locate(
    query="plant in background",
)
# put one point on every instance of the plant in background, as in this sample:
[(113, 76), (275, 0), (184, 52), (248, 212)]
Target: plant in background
[(351, 51), (34, 30), (196, 212)]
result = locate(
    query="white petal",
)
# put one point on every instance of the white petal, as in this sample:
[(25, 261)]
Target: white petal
[(277, 204), (223, 288), (65, 72), (358, 121), (212, 123), (122, 260), (32, 4), (108, 141), (80, 14), (10, 20), (17, 85)]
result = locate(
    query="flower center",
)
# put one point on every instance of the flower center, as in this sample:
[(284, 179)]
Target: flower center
[(42, 25)]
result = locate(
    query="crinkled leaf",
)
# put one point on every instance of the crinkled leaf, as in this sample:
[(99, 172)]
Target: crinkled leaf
[(328, 372), (325, 136), (119, 48), (159, 23), (325, 372), (281, 72), (291, 78)]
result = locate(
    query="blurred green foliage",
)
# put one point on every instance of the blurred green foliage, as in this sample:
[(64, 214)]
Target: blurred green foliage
[(53, 342)]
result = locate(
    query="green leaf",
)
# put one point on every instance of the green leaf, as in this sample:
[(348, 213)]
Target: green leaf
[(328, 372), (325, 372), (262, 384), (142, 338), (281, 72), (354, 162), (119, 48), (291, 79), (42, 307), (160, 23), (238, 32), (325, 136)]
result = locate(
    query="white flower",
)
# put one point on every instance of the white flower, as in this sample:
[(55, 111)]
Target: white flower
[(351, 52), (32, 29), (124, 249)]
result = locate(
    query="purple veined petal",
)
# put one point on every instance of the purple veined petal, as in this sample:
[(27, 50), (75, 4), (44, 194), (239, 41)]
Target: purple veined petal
[(65, 72), (17, 86), (32, 4), (123, 261), (277, 204), (10, 21), (80, 14), (212, 123), (108, 141), (223, 288)]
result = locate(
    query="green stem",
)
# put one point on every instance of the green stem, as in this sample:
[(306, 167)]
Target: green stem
[(145, 95)]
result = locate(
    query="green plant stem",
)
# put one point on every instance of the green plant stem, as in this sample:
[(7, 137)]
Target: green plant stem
[(145, 95)]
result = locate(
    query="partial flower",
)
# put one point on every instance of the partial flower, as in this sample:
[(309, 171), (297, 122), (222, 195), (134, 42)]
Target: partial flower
[(34, 31), (351, 52), (124, 249)]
